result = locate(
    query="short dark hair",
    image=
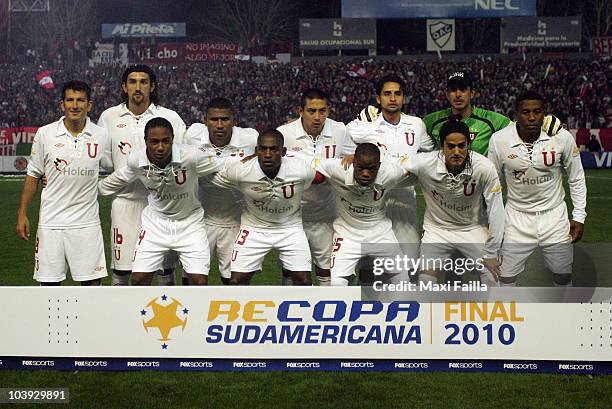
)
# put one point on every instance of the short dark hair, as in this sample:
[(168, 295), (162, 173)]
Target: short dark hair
[(312, 93), (271, 132), (367, 150), (158, 122), (390, 78), (528, 95), (76, 85), (154, 97), (454, 124), (220, 103)]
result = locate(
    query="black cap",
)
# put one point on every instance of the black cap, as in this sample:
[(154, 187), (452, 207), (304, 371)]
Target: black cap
[(459, 79)]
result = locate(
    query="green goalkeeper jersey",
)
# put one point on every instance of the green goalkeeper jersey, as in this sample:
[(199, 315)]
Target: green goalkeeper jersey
[(482, 124)]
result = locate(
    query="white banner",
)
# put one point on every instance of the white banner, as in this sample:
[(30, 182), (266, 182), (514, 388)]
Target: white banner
[(440, 35), (13, 164), (105, 54)]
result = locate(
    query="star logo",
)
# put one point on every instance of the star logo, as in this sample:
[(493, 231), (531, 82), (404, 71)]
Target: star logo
[(164, 313)]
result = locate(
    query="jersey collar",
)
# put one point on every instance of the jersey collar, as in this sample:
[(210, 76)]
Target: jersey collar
[(516, 139), (281, 176), (151, 110), (62, 131), (300, 133)]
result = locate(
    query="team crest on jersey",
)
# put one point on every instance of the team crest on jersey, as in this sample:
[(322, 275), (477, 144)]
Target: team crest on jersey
[(409, 138), (121, 125), (288, 191), (60, 164), (181, 177), (59, 145), (546, 159), (473, 136), (518, 174), (296, 149), (378, 194), (92, 152), (125, 147), (469, 188), (512, 156)]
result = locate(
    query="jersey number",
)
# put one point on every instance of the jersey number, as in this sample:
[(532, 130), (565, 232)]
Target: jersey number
[(242, 237)]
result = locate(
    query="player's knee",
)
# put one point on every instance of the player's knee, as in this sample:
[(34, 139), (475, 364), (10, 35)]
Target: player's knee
[(562, 279), (142, 278), (198, 279), (95, 282), (239, 279), (225, 281), (301, 278), (508, 280)]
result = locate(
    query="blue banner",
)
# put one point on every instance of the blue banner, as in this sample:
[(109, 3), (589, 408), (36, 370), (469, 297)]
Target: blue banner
[(600, 160), (437, 8), (124, 30)]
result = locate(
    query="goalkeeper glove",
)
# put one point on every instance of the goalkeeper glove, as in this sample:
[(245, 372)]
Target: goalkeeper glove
[(369, 114), (551, 125)]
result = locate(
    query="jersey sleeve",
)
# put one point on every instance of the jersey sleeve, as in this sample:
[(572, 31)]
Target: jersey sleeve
[(121, 177), (179, 128), (575, 176), (494, 157), (410, 169), (492, 194), (228, 176), (499, 121), (361, 132), (193, 135), (36, 166), (206, 163), (426, 143), (329, 168), (309, 174)]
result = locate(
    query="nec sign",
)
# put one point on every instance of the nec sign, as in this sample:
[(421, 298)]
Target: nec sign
[(437, 8)]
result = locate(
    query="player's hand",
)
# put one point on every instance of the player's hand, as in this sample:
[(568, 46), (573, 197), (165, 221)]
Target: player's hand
[(576, 230), (369, 114), (347, 161), (23, 228), (551, 125), (44, 181), (492, 264)]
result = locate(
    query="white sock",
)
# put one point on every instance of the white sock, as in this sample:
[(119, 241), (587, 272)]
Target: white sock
[(512, 284), (324, 281), (488, 279), (120, 279), (339, 282), (426, 278)]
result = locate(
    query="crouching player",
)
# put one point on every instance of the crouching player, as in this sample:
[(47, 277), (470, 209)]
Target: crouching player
[(464, 206), (272, 186), (173, 219), (362, 227)]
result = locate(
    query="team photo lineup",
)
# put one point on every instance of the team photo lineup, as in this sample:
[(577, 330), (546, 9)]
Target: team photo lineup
[(318, 192)]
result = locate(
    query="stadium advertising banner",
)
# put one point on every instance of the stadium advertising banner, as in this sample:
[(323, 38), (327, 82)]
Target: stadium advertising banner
[(602, 45), (292, 328), (437, 8), (143, 30), (210, 51), (337, 34), (105, 54), (541, 32), (440, 35), (163, 52), (13, 164)]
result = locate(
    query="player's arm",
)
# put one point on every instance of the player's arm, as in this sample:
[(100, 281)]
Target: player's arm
[(577, 185), (120, 178), (179, 128), (206, 163), (193, 135), (409, 167), (492, 194), (227, 177), (494, 157), (426, 143), (107, 158), (36, 169)]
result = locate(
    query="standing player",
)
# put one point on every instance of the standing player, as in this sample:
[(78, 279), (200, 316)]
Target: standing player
[(69, 153), (532, 164), (362, 228), (174, 219), (482, 122), (272, 186), (125, 124), (222, 207), (312, 138), (464, 206), (397, 134)]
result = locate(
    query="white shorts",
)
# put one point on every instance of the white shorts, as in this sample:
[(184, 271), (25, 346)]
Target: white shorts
[(251, 247), (159, 236), (401, 208), (347, 252), (548, 230), (439, 244), (80, 249), (222, 240), (320, 235)]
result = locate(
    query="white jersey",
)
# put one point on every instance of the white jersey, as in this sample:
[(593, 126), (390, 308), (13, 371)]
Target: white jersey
[(222, 207), (361, 208), (72, 165), (333, 142), (173, 189), (126, 131), (269, 203), (533, 172), (464, 202)]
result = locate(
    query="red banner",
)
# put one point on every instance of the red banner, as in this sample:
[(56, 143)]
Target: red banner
[(210, 51), (602, 45), (13, 136), (163, 52), (45, 80)]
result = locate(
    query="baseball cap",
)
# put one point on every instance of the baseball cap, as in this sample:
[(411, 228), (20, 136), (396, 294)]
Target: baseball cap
[(459, 79)]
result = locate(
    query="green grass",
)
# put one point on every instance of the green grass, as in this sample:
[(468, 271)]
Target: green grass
[(310, 389)]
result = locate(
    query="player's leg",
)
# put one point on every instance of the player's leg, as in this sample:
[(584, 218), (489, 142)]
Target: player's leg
[(435, 251), (151, 247), (125, 226), (320, 235), (224, 238), (471, 245), (85, 254), (556, 245), (294, 255), (401, 209), (345, 256), (165, 276), (49, 257), (250, 248), (520, 241), (193, 251), (383, 247)]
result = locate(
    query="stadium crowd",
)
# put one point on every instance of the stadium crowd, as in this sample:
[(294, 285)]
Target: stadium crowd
[(577, 91)]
